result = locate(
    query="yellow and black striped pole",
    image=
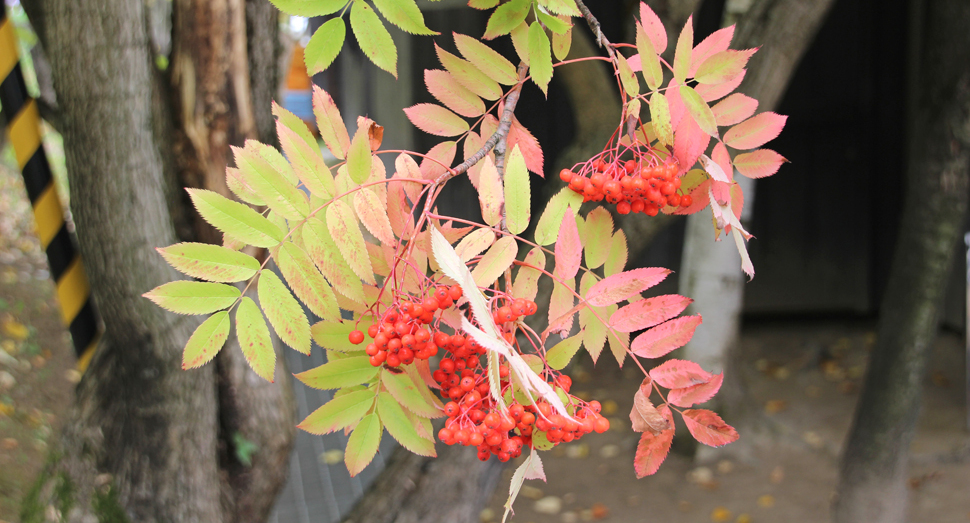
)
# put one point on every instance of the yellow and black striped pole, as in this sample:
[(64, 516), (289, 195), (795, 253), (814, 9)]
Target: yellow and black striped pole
[(23, 128)]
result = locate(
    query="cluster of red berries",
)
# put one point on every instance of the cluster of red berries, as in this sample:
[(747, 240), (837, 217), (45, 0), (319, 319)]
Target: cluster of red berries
[(400, 336), (631, 185)]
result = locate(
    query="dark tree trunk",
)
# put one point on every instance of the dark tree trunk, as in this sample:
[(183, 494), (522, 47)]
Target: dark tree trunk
[(872, 481), (146, 440)]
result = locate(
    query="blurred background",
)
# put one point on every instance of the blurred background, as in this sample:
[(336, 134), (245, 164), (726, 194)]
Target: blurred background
[(795, 341)]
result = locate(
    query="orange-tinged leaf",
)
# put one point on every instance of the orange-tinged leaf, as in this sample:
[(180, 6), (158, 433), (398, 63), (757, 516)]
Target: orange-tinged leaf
[(759, 163), (306, 281), (350, 241), (698, 110), (438, 160), (469, 76), (755, 131), (473, 142), (206, 341), (619, 343), (475, 244), (496, 260), (618, 287), (598, 236), (452, 94), (701, 198), (340, 412), (330, 123), (284, 312), (491, 194), (716, 42), (653, 27), (210, 262), (527, 278), (679, 374), (528, 145), (690, 396), (733, 109), (660, 340), (374, 216), (722, 159), (569, 248), (660, 118), (254, 339), (708, 428), (682, 53), (561, 302), (712, 92), (653, 448), (486, 59), (435, 119), (644, 417), (646, 313), (406, 168), (373, 38), (326, 255), (363, 442), (689, 142), (723, 66)]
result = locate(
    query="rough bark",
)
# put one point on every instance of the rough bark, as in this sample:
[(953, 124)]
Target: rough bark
[(711, 273), (146, 440), (872, 480)]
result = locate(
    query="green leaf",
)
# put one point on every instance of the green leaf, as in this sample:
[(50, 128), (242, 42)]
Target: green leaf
[(307, 162), (520, 41), (345, 232), (547, 230), (326, 255), (330, 123), (295, 124), (629, 80), (235, 219), (469, 76), (482, 4), (490, 193), (325, 45), (561, 44), (359, 157), (540, 57), (373, 38), (309, 8), (239, 187), (660, 118), (685, 44), (562, 353), (486, 59), (306, 281), (407, 393), (399, 426), (339, 373), (699, 110), (342, 411), (193, 297), (496, 259), (649, 60), (404, 14), (210, 262), (275, 159), (363, 442), (254, 339), (518, 204), (599, 236), (541, 442), (206, 341), (554, 24), (562, 7), (278, 193), (594, 330), (333, 335), (284, 312), (526, 280), (506, 17), (616, 259)]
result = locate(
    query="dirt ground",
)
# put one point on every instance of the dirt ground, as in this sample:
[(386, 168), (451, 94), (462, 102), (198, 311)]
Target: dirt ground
[(803, 377)]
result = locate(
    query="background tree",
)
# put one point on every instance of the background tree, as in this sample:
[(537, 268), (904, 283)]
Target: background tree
[(872, 480)]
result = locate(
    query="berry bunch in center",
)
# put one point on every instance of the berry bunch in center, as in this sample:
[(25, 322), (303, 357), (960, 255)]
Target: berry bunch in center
[(642, 185)]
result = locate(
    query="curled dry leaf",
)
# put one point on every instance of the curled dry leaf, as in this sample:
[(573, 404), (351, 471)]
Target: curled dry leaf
[(644, 416)]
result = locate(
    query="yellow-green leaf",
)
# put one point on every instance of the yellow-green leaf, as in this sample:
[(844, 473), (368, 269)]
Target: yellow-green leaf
[(474, 244), (404, 14), (342, 411), (685, 44), (490, 193), (469, 76), (254, 339), (306, 281), (235, 219), (407, 393), (210, 262), (554, 24), (562, 353), (526, 284), (373, 38), (363, 442), (561, 44), (547, 230), (518, 192), (206, 341), (540, 57), (616, 259), (599, 236), (399, 426), (345, 232), (306, 160), (337, 374), (284, 312), (324, 45), (649, 60), (373, 214), (309, 8), (326, 255), (334, 335), (660, 118), (498, 258), (629, 80), (271, 186), (193, 297), (699, 110), (506, 17), (486, 59), (359, 157)]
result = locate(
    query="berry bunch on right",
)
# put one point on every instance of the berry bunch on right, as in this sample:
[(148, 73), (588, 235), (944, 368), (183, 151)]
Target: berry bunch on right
[(643, 185)]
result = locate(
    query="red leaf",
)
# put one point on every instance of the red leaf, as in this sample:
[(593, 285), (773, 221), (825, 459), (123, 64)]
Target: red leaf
[(435, 119), (718, 41), (455, 96), (690, 396), (646, 313), (711, 92), (528, 145), (623, 285), (653, 27), (569, 248), (755, 131), (737, 200), (679, 374), (733, 109), (723, 160), (759, 164), (644, 416), (708, 428), (689, 142), (444, 153), (701, 198), (675, 103), (665, 337), (653, 449), (721, 191)]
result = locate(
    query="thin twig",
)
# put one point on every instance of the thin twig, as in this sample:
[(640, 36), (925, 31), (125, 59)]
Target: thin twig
[(594, 24)]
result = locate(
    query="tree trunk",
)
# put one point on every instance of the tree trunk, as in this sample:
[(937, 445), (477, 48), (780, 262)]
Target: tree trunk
[(146, 440), (872, 480), (711, 273)]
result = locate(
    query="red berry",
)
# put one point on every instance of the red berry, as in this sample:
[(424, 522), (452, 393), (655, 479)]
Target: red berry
[(446, 435), (454, 292), (623, 207), (393, 360), (651, 210), (637, 205), (667, 189), (467, 383), (674, 200), (372, 330), (612, 188), (447, 365), (565, 175), (602, 425), (595, 406), (686, 200), (452, 409), (597, 180), (356, 337), (430, 304), (630, 166)]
